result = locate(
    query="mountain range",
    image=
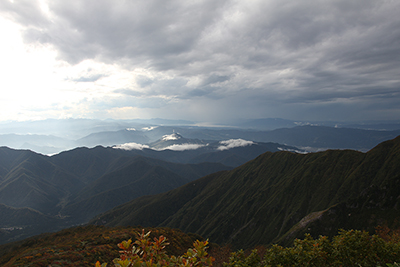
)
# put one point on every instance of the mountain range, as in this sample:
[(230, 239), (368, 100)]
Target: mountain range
[(71, 187), (53, 136), (278, 197), (231, 185)]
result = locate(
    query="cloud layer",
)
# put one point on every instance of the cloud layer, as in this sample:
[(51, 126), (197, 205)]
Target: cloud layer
[(232, 143), (218, 60), (131, 146)]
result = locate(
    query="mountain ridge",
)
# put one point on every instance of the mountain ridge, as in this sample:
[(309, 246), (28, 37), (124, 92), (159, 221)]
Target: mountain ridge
[(314, 136), (260, 201), (73, 186)]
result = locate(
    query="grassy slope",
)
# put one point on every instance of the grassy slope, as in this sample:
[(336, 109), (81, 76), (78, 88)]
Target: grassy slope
[(83, 246)]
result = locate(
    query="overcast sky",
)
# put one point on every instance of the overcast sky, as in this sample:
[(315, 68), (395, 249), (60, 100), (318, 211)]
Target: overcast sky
[(201, 60)]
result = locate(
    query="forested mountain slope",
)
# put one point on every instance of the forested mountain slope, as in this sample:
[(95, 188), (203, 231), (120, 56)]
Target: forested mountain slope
[(72, 187), (266, 199)]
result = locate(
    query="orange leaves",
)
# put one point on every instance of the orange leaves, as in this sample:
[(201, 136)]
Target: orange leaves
[(148, 253), (125, 245), (100, 265)]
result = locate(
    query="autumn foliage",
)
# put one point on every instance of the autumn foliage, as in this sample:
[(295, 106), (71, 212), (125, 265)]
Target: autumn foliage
[(84, 245), (145, 252)]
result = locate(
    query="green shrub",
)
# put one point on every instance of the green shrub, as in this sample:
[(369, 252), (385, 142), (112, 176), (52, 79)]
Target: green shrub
[(348, 248)]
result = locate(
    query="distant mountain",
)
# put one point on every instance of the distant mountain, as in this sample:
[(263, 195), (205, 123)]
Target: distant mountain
[(53, 136), (277, 197), (269, 124), (176, 148), (76, 128), (311, 137), (112, 138), (278, 123), (45, 144), (176, 141), (330, 137)]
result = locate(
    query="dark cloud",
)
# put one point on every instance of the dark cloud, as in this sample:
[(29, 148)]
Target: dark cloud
[(246, 58), (213, 78)]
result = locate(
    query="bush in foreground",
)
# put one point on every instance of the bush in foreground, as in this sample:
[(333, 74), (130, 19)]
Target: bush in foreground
[(144, 252), (349, 248)]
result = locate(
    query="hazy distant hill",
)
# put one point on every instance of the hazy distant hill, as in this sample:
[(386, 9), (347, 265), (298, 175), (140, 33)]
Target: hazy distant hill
[(53, 136), (113, 138), (330, 137), (278, 196), (314, 137)]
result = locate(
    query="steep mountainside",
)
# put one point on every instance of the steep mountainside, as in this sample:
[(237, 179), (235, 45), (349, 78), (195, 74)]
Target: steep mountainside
[(115, 188), (17, 223), (33, 181), (73, 186), (10, 217), (275, 196)]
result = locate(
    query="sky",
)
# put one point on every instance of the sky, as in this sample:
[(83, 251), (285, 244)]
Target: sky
[(209, 61)]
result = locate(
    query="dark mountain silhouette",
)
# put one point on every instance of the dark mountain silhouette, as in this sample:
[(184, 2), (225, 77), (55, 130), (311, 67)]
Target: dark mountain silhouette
[(73, 186), (277, 197), (141, 176), (18, 217), (18, 223), (33, 181)]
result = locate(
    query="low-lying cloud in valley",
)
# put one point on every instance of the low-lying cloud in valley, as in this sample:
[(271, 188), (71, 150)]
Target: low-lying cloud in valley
[(232, 143), (131, 146), (182, 147)]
